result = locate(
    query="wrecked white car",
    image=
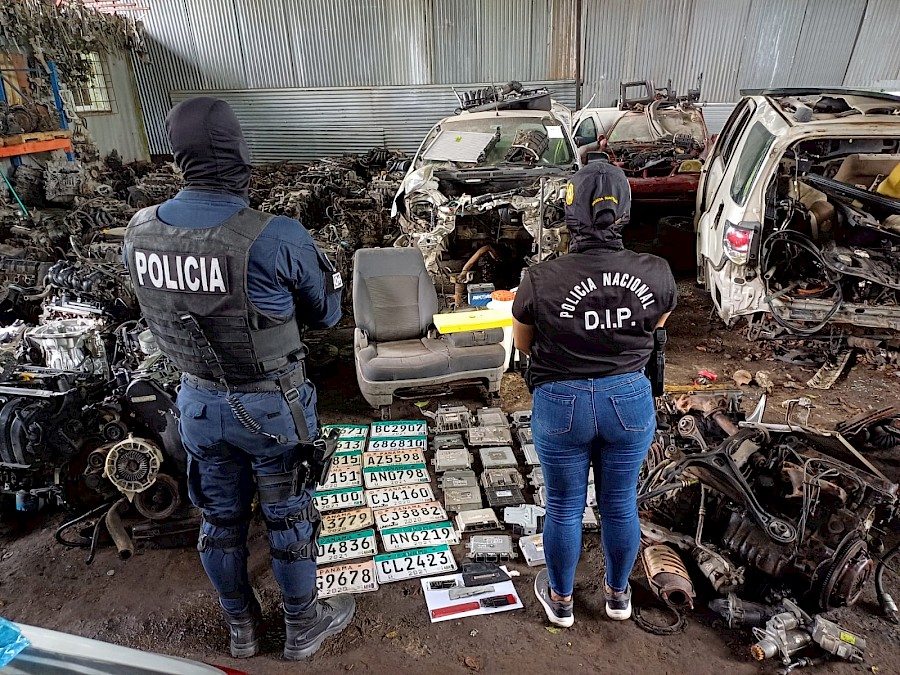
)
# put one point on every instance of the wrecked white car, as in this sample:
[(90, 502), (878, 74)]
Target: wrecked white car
[(484, 194), (798, 211)]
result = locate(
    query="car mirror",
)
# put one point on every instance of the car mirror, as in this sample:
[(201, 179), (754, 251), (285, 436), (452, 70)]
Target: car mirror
[(582, 141)]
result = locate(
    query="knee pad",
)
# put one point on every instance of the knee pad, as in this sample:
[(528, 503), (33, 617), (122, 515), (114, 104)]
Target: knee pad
[(303, 547), (222, 533)]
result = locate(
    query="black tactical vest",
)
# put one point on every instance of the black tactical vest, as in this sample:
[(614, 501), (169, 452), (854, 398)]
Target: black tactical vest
[(192, 287)]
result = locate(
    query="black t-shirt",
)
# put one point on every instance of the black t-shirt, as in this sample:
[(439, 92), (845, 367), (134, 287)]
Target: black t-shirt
[(593, 313)]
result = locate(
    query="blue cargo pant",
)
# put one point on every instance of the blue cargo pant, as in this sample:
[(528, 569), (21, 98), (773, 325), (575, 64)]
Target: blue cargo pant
[(223, 458), (607, 422)]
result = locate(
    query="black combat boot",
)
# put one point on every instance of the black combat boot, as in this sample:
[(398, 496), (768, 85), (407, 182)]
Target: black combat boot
[(242, 630), (306, 631)]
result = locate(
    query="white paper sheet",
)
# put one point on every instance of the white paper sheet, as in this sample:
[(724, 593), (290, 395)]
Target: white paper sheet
[(441, 598)]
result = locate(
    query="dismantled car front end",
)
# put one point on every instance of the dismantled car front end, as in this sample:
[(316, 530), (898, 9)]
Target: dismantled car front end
[(484, 195), (796, 214)]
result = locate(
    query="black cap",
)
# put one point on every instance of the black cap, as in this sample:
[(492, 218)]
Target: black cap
[(598, 205)]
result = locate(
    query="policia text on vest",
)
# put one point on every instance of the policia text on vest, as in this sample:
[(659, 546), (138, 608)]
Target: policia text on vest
[(182, 273)]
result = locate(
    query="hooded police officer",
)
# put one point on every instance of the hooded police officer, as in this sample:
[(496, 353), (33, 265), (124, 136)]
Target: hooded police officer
[(587, 319), (224, 290)]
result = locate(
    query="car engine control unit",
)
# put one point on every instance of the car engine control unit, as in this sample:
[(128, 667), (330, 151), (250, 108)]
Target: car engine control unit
[(532, 548), (463, 499), (531, 456), (480, 436), (452, 459), (465, 478), (521, 418), (589, 521), (492, 417), (495, 458), (479, 520), (524, 435), (526, 519), (442, 441), (502, 478), (452, 418), (500, 497), (536, 477), (492, 548)]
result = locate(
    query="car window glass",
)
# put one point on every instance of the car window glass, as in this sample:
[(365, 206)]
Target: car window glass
[(587, 129), (558, 152), (633, 127), (751, 158), (734, 129)]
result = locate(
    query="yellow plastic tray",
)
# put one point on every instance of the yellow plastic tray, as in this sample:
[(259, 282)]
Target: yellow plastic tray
[(482, 319)]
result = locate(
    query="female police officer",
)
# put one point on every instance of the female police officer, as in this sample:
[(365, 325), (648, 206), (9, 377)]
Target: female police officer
[(587, 320)]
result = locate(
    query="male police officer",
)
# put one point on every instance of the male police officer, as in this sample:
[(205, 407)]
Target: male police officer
[(223, 289)]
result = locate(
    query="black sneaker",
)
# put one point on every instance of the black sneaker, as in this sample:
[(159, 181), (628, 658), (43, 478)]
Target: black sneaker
[(244, 642), (558, 613), (306, 632), (618, 605)]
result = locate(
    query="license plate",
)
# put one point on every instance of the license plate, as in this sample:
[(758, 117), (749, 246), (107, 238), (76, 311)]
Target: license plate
[(346, 547), (350, 445), (420, 562), (398, 496), (432, 534), (351, 460), (344, 478), (353, 578), (417, 514), (333, 500), (399, 429), (413, 443), (393, 457), (347, 430), (403, 474), (347, 521)]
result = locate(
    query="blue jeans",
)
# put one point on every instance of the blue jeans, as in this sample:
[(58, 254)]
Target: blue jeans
[(607, 422), (223, 458)]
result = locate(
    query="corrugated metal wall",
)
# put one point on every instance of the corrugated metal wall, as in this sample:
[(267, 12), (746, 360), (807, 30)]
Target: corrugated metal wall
[(738, 44), (303, 124), (240, 46)]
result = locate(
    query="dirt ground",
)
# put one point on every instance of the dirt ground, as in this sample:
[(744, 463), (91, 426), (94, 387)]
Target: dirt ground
[(160, 600)]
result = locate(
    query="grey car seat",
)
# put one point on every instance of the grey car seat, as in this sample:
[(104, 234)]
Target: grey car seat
[(394, 345)]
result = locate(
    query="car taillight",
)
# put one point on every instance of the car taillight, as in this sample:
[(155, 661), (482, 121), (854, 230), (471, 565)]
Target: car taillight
[(737, 243)]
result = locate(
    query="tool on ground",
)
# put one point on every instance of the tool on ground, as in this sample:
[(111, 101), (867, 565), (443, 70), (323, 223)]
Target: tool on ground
[(481, 574)]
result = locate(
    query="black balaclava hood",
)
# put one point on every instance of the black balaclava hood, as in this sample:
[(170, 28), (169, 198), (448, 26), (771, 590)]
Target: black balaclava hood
[(598, 206), (209, 146)]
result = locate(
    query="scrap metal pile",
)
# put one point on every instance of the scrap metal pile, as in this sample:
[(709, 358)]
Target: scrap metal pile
[(86, 400), (773, 520)]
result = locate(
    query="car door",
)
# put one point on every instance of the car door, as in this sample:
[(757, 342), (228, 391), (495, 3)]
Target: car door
[(712, 190), (586, 135)]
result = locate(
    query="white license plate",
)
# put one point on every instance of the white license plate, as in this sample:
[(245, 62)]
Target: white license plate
[(346, 547), (392, 458), (412, 443), (432, 534), (416, 514), (350, 445), (347, 521), (347, 430), (339, 499), (399, 496), (420, 562), (354, 578), (345, 478), (399, 429), (403, 474), (350, 460)]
